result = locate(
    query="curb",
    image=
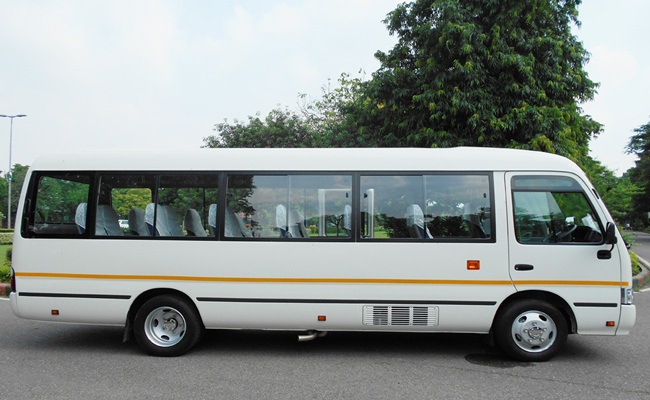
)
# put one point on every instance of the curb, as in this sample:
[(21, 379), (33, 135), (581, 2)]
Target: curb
[(5, 289)]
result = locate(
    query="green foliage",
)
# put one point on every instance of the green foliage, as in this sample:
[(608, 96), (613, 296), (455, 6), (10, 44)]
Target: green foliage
[(329, 121), (617, 193), (335, 115), (6, 237), (636, 269), (123, 200), (17, 178), (481, 73), (5, 274), (471, 73), (58, 197), (640, 174), (280, 128), (5, 263)]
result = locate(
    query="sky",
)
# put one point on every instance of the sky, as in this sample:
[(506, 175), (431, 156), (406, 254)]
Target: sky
[(159, 74)]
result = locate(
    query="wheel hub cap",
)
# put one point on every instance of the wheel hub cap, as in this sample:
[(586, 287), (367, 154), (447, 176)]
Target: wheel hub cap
[(533, 331), (164, 326)]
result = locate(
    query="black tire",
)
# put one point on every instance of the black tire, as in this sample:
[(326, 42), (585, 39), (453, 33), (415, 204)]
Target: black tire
[(530, 330), (167, 326)]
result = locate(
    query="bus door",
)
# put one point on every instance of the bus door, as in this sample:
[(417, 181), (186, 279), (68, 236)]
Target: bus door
[(555, 236)]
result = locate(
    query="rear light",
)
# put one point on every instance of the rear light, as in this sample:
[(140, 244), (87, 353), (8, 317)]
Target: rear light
[(13, 281)]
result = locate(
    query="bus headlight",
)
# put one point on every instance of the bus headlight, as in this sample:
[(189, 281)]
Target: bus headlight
[(627, 296)]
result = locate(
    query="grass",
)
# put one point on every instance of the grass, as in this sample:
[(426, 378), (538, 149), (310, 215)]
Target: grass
[(5, 273), (636, 269), (3, 253)]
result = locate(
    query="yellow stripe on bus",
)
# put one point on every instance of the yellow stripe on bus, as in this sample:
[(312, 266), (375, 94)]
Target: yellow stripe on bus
[(318, 280)]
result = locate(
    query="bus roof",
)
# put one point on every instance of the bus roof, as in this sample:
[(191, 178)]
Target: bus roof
[(313, 159)]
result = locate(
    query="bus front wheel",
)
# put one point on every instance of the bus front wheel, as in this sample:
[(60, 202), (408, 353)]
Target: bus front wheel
[(530, 330), (167, 326)]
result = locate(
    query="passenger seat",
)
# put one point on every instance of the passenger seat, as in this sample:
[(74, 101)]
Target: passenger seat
[(415, 222), (107, 222), (193, 224), (167, 221), (136, 223)]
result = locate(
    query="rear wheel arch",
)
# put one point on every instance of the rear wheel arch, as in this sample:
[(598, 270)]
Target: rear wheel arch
[(167, 325), (148, 295)]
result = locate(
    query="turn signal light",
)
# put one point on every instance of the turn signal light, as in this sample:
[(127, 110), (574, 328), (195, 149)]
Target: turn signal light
[(610, 323), (473, 265), (55, 312)]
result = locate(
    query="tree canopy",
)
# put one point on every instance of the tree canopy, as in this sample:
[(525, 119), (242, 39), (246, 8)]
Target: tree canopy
[(482, 73), (280, 128), (17, 175), (473, 73), (640, 174), (505, 73)]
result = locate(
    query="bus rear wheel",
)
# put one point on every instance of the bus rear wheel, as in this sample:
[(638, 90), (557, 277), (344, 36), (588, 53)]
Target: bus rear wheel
[(530, 330), (167, 326)]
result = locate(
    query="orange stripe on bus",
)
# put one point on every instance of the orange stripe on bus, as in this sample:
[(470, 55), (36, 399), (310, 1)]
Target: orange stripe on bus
[(317, 280), (569, 283)]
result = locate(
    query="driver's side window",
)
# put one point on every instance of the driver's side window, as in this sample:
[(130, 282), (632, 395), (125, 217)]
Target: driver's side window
[(553, 209)]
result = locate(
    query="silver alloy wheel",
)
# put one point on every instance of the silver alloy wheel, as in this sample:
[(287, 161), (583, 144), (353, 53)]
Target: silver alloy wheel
[(164, 327), (533, 331)]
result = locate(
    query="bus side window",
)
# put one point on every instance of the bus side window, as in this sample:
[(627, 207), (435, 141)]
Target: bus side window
[(459, 206), (183, 204), (59, 206), (427, 207), (288, 206), (389, 204), (128, 195), (150, 205)]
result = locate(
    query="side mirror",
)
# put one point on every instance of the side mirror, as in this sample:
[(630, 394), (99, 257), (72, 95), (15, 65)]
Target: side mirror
[(610, 234), (610, 238)]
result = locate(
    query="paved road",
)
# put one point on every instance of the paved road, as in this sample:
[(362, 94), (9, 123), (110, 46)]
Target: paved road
[(641, 244), (59, 361)]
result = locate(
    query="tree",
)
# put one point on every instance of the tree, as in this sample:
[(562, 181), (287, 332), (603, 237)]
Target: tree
[(480, 73), (617, 193), (335, 115), (3, 202), (18, 173), (124, 200), (640, 174), (280, 128)]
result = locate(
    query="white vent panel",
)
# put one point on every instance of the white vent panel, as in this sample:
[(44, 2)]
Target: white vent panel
[(400, 316)]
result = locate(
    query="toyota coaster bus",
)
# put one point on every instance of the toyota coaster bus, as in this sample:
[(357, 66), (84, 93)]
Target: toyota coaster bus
[(512, 243)]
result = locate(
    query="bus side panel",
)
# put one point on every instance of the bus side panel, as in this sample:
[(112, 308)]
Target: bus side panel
[(76, 310), (283, 285)]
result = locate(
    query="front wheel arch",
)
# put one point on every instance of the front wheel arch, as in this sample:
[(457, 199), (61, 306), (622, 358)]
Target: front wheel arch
[(530, 330), (549, 297)]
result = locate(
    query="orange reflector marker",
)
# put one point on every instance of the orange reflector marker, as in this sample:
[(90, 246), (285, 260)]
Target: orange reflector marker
[(322, 318), (473, 265), (610, 323), (55, 312)]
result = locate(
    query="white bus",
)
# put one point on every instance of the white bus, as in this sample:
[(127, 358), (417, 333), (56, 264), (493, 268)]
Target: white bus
[(511, 243)]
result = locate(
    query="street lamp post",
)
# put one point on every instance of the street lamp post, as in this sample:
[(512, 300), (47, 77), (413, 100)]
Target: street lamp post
[(11, 133)]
